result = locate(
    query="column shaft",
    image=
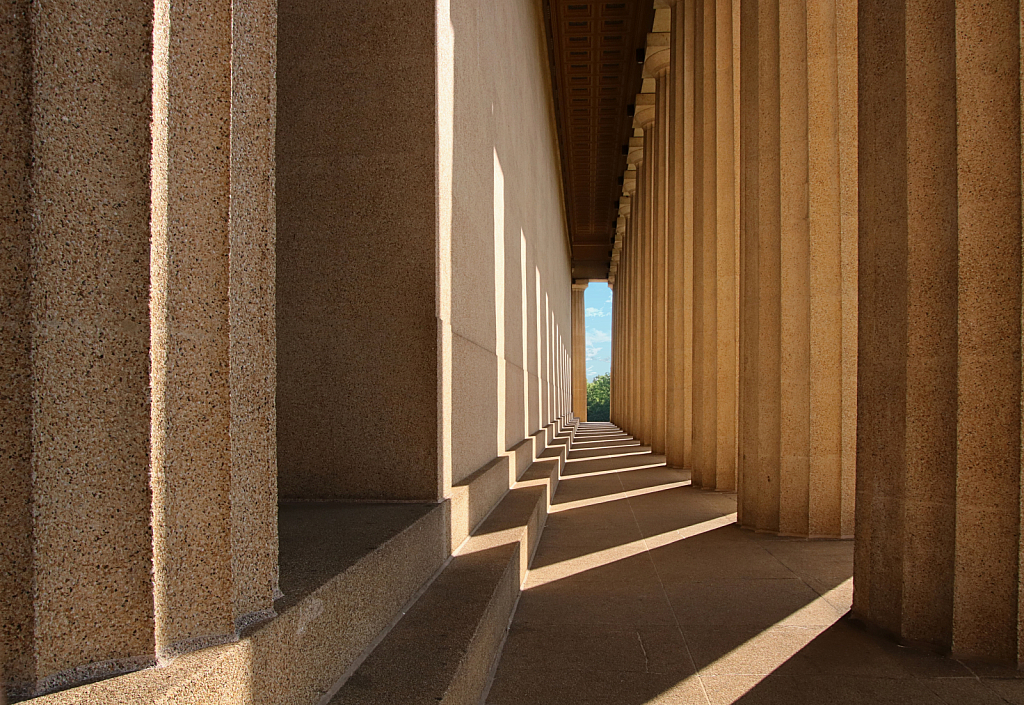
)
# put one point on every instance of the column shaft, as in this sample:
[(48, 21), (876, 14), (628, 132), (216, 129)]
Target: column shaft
[(190, 295), (715, 250), (796, 288), (252, 294), (679, 318), (660, 271), (88, 285), (17, 664), (938, 537), (579, 351)]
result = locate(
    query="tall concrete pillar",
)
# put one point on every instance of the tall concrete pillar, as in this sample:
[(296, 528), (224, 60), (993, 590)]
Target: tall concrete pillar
[(679, 206), (253, 332), (579, 350), (938, 530), (629, 320), (636, 158), (656, 67), (143, 496), (799, 223), (75, 571), (715, 245), (191, 296), (646, 188)]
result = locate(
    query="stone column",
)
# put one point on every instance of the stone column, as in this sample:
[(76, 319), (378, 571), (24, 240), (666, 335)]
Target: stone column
[(631, 325), (715, 250), (636, 158), (679, 291), (646, 186), (252, 294), (75, 542), (656, 67), (579, 350), (211, 301), (938, 530), (614, 279), (799, 206)]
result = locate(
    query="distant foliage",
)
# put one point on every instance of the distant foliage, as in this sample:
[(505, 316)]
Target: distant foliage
[(598, 398)]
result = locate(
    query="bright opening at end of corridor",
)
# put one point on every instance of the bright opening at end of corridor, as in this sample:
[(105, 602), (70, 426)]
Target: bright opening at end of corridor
[(598, 324)]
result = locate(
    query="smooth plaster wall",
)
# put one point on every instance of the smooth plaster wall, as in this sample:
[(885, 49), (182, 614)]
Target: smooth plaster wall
[(356, 250), (507, 382)]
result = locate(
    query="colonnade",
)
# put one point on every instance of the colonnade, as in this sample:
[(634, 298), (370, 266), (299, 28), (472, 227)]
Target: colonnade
[(818, 291)]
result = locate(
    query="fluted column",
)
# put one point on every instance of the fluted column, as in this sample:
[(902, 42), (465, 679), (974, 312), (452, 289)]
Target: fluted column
[(679, 285), (631, 325), (715, 250), (646, 187), (796, 459), (579, 350), (656, 67), (213, 341), (938, 532), (76, 598), (636, 158)]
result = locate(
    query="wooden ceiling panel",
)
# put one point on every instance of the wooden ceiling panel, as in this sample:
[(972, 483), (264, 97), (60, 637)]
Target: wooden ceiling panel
[(595, 75)]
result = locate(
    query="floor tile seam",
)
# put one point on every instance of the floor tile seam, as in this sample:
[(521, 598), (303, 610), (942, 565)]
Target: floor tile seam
[(985, 684), (671, 607), (528, 622), (775, 674), (745, 580)]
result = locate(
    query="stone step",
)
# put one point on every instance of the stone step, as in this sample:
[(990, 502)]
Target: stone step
[(443, 649), (346, 571)]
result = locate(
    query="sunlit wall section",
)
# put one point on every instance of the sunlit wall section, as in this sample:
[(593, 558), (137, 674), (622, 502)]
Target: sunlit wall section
[(510, 277)]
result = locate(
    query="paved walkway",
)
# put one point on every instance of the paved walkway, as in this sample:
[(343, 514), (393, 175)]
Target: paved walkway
[(644, 591)]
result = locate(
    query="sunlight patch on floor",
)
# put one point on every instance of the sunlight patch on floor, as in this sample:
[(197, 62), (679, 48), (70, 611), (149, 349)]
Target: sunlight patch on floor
[(573, 566), (765, 652), (614, 497)]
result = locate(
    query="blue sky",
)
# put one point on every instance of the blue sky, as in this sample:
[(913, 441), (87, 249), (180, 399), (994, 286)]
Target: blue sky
[(598, 302)]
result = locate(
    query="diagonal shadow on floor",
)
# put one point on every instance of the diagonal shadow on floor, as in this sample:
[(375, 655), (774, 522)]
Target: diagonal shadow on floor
[(644, 590)]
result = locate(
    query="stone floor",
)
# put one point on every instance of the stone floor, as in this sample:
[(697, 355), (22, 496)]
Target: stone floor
[(643, 590)]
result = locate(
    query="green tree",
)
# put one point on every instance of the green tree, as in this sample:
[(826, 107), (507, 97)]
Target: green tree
[(598, 398)]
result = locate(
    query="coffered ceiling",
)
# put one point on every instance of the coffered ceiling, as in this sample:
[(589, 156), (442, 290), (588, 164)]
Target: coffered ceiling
[(595, 74)]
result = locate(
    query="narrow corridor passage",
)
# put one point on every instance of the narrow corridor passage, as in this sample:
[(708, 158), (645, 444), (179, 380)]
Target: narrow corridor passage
[(643, 590)]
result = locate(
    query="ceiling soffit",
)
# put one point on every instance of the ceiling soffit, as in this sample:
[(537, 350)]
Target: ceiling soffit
[(595, 75)]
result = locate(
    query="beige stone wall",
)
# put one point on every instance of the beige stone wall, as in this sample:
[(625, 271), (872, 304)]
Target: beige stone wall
[(356, 251), (423, 274), (510, 279)]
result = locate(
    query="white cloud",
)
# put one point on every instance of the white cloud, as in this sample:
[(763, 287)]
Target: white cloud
[(597, 336), (596, 313)]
